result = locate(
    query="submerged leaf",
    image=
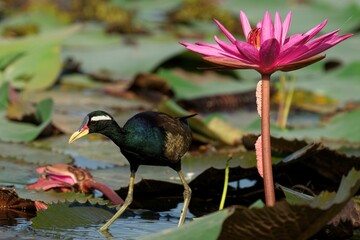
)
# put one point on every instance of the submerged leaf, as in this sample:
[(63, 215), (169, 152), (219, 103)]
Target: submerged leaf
[(69, 215)]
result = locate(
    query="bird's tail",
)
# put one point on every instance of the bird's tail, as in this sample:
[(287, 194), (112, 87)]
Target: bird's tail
[(186, 117)]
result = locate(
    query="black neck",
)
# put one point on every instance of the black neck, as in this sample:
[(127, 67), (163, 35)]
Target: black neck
[(115, 133)]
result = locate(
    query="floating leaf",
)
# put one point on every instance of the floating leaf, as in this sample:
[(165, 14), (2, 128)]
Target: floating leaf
[(40, 63), (32, 155), (283, 221), (208, 227), (53, 196), (37, 69), (4, 96), (70, 215), (127, 60), (15, 172), (25, 132), (185, 89), (343, 126)]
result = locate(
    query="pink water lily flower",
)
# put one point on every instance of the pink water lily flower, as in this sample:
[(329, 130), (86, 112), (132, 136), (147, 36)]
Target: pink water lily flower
[(67, 178), (267, 48)]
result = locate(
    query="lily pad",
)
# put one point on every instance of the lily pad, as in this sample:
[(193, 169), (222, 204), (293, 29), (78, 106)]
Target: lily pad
[(40, 63), (25, 132), (71, 215), (15, 172), (126, 60), (340, 84), (185, 89), (283, 221), (51, 197), (343, 127), (30, 154)]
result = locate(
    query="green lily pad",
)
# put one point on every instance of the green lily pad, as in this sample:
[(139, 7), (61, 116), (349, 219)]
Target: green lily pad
[(71, 215), (16, 172), (4, 96), (126, 60), (283, 221), (343, 127), (25, 132), (44, 20), (51, 196), (32, 155), (341, 84), (185, 89), (40, 63), (91, 35)]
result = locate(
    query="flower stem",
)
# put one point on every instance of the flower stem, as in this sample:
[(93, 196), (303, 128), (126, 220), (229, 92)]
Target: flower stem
[(226, 183), (108, 192), (266, 147)]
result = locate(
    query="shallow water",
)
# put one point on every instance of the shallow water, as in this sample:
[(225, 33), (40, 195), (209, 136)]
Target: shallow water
[(142, 224)]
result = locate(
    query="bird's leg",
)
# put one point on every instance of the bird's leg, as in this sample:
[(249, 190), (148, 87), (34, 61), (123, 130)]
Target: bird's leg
[(187, 197), (127, 202)]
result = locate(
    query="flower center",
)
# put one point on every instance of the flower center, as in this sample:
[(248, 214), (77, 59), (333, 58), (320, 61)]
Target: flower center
[(253, 37)]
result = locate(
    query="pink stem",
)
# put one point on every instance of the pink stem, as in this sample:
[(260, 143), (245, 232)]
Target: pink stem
[(266, 147), (108, 192)]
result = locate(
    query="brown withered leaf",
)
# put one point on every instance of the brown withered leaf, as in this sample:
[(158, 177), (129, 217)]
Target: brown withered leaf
[(12, 207), (21, 111)]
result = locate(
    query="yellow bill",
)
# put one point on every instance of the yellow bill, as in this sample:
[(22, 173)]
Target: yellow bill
[(78, 134)]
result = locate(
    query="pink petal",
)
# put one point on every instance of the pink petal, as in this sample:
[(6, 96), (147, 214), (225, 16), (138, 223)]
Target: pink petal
[(248, 52), (205, 49), (299, 64), (225, 31), (296, 39), (59, 172), (227, 47), (267, 28), (297, 55), (323, 47), (324, 38), (40, 170), (278, 28), (292, 47), (40, 205), (229, 63), (285, 27), (65, 179), (245, 24), (259, 157), (269, 52), (312, 32), (45, 184)]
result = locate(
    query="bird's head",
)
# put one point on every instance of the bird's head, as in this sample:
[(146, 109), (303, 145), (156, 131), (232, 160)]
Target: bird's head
[(94, 122)]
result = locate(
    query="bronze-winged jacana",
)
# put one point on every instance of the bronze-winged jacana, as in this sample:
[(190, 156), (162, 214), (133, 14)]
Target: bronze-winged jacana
[(148, 138)]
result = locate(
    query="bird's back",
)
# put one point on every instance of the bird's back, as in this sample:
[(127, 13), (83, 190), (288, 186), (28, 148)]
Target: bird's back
[(154, 138)]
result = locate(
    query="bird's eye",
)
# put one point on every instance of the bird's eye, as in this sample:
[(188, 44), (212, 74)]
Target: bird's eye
[(92, 122)]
